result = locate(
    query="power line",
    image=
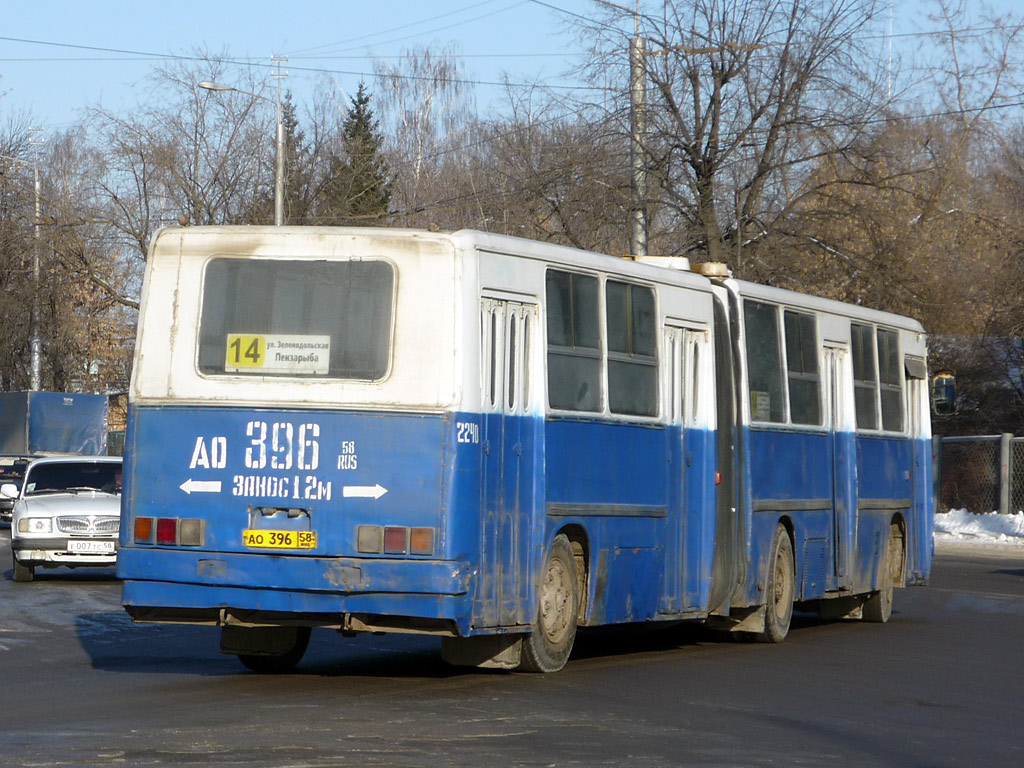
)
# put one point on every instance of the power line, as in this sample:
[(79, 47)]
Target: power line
[(449, 26), (149, 56), (394, 29)]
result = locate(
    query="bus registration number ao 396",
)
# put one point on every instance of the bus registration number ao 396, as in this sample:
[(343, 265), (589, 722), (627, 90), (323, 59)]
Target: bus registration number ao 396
[(279, 539)]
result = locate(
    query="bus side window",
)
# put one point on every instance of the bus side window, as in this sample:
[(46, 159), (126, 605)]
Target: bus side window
[(512, 352), (632, 349), (494, 358), (764, 362), (802, 368), (865, 381), (890, 376), (524, 376), (574, 342), (695, 383)]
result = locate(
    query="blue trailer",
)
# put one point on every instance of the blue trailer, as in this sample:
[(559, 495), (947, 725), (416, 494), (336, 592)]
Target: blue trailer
[(38, 423)]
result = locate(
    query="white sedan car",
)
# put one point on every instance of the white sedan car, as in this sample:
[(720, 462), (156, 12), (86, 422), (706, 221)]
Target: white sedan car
[(67, 513)]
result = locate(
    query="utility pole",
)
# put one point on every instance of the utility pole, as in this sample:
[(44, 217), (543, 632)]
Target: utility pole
[(36, 336), (279, 174), (637, 134), (637, 140)]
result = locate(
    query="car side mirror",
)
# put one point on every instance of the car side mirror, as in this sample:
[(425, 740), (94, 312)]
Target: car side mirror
[(9, 491), (944, 394)]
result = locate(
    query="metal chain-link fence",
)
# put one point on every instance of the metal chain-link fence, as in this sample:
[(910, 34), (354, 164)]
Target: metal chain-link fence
[(969, 473), (1016, 474)]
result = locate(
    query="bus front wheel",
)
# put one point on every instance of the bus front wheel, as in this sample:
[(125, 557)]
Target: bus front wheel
[(547, 647), (781, 589)]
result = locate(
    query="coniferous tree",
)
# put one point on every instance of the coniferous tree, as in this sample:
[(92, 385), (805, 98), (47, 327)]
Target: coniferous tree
[(298, 167), (358, 188)]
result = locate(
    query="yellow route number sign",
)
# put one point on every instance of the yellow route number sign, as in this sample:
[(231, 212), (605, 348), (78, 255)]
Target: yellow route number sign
[(245, 351), (277, 353)]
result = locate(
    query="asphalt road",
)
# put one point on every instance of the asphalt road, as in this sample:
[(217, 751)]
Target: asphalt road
[(939, 685)]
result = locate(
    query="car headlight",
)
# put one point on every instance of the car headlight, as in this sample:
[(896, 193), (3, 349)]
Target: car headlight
[(35, 525)]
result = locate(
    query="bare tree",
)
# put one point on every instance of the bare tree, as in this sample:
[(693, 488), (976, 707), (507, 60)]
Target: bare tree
[(546, 175), (203, 157), (17, 216), (424, 109), (745, 96)]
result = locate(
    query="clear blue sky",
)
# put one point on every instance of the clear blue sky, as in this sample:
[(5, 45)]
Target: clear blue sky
[(54, 82), (81, 54)]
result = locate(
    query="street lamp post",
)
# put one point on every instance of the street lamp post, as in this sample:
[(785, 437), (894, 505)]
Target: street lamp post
[(279, 171)]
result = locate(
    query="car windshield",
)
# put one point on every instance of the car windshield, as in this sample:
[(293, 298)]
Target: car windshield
[(74, 476)]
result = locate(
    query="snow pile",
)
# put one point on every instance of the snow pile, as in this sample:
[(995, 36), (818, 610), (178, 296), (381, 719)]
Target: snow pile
[(992, 528)]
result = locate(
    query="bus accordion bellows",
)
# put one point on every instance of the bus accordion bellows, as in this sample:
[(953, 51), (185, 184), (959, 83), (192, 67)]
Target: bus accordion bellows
[(496, 441)]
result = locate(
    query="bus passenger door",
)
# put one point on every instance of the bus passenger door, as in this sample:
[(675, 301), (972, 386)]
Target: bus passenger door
[(684, 352), (508, 330), (674, 386), (919, 532), (844, 461)]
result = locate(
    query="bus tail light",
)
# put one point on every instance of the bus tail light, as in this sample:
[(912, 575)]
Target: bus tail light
[(144, 530), (190, 532), (170, 531), (167, 530), (421, 541), (370, 539), (394, 540)]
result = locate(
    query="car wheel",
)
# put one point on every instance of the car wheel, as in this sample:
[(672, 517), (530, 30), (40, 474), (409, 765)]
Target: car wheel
[(23, 572)]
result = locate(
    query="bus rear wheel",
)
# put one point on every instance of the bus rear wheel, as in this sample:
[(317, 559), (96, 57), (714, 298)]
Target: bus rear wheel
[(290, 646), (547, 647), (778, 612), (878, 606)]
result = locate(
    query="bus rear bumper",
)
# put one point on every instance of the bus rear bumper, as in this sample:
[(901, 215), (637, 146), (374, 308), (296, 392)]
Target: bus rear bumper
[(216, 588)]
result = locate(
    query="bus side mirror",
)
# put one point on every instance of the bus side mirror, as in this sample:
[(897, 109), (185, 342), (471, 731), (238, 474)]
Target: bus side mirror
[(944, 394)]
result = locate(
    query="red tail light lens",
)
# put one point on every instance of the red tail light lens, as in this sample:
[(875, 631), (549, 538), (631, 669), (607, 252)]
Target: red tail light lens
[(167, 530), (396, 540)]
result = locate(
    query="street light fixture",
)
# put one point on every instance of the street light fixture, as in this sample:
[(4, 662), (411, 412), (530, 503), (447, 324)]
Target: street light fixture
[(206, 85)]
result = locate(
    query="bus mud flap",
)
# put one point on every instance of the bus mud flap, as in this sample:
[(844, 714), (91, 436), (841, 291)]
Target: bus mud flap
[(487, 651), (740, 620)]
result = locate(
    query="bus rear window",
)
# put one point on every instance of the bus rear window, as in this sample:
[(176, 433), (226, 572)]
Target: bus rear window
[(319, 319)]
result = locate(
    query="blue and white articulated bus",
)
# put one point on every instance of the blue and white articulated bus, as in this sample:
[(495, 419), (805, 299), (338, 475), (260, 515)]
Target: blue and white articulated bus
[(495, 441)]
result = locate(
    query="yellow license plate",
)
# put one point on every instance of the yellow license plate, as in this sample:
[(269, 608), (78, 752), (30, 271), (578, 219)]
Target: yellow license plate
[(279, 539)]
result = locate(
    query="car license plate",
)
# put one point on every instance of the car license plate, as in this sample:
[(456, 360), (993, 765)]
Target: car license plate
[(279, 539), (91, 547)]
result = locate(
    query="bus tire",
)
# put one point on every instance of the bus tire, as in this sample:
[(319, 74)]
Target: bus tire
[(547, 647), (278, 663), (778, 610), (23, 572), (878, 606)]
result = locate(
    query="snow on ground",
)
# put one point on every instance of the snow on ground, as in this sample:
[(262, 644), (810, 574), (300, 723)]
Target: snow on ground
[(959, 528)]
